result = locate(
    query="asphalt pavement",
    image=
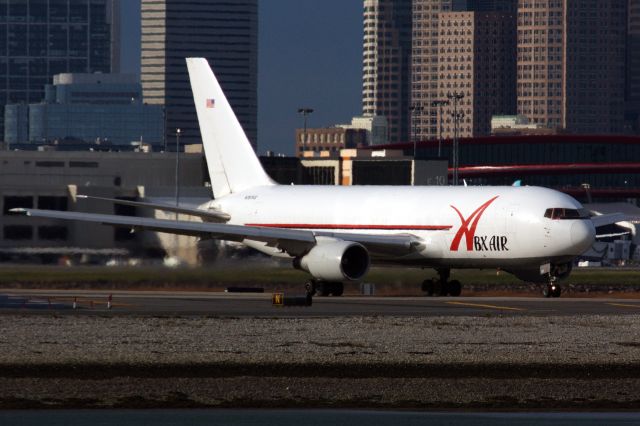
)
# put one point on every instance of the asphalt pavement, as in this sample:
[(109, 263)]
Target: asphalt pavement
[(261, 305)]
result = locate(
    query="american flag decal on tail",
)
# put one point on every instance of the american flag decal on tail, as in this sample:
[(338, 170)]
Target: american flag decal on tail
[(211, 103)]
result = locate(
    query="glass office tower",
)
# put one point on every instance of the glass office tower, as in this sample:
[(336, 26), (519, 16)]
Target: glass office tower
[(41, 38), (226, 33)]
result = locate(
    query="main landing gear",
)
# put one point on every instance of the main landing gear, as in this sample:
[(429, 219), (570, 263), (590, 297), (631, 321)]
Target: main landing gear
[(322, 288), (442, 286)]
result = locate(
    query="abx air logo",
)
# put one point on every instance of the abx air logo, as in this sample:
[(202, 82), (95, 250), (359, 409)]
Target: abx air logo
[(468, 231)]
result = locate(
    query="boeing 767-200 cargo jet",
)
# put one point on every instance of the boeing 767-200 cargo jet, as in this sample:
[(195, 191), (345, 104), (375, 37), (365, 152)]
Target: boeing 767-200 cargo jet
[(336, 232)]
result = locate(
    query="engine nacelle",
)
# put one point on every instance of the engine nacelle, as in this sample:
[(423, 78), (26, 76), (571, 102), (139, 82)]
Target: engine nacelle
[(336, 261)]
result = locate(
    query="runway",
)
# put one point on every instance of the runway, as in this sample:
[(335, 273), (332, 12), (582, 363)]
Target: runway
[(186, 349), (253, 305)]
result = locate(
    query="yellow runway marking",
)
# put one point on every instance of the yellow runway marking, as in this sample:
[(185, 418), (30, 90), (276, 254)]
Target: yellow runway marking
[(622, 305), (477, 305)]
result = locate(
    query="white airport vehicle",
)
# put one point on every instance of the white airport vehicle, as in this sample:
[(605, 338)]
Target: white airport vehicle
[(336, 232)]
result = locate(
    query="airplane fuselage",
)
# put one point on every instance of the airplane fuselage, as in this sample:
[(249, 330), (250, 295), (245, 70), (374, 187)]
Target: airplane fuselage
[(461, 227)]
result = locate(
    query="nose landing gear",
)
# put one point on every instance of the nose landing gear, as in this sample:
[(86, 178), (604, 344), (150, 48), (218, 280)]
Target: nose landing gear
[(552, 289), (557, 273)]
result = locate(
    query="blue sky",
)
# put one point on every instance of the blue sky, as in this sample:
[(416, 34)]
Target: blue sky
[(310, 54)]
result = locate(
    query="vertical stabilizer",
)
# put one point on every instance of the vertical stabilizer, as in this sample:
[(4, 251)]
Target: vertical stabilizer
[(233, 165)]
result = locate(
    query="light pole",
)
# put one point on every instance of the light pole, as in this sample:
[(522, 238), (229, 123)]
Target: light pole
[(305, 112), (440, 103), (458, 117), (164, 128), (455, 97), (415, 109), (177, 169)]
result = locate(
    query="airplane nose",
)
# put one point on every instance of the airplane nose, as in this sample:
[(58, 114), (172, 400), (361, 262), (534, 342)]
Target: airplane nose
[(583, 234)]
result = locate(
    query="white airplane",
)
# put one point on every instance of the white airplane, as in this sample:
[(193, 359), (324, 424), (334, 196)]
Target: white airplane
[(336, 232)]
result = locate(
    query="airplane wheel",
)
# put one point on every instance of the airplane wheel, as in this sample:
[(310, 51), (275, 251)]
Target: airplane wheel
[(323, 289), (455, 288), (310, 287), (338, 289), (428, 287), (445, 288), (551, 290), (329, 289), (438, 288)]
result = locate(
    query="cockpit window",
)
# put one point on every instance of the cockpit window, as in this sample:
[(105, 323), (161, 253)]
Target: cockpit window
[(561, 213)]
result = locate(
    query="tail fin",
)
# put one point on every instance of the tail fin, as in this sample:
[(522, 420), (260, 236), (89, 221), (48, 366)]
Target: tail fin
[(233, 165)]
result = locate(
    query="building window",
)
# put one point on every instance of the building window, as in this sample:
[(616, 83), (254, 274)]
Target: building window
[(52, 233), (49, 163), (18, 232), (124, 233), (13, 202), (85, 164), (52, 203)]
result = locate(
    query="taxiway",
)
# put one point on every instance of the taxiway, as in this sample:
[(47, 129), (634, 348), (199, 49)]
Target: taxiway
[(260, 305)]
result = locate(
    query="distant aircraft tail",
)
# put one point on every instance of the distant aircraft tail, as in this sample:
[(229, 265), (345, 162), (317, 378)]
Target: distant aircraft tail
[(233, 165)]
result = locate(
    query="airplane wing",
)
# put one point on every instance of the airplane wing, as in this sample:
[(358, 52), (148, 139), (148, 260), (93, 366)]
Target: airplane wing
[(610, 219), (293, 241), (613, 235), (380, 245), (206, 215)]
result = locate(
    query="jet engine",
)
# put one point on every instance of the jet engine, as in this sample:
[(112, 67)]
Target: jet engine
[(336, 261)]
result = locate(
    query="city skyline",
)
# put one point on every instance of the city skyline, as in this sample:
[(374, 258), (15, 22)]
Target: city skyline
[(224, 33), (300, 63), (294, 55), (41, 39)]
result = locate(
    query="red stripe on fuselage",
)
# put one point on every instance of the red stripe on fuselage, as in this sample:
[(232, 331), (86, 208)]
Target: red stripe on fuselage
[(343, 226)]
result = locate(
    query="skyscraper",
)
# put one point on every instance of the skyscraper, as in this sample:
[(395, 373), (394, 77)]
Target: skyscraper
[(386, 64), (424, 64), (41, 38), (633, 67), (400, 73), (477, 59), (113, 12), (510, 6), (224, 32), (571, 61)]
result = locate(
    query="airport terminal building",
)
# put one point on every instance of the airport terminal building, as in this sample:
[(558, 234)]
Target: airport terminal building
[(52, 180), (588, 167)]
